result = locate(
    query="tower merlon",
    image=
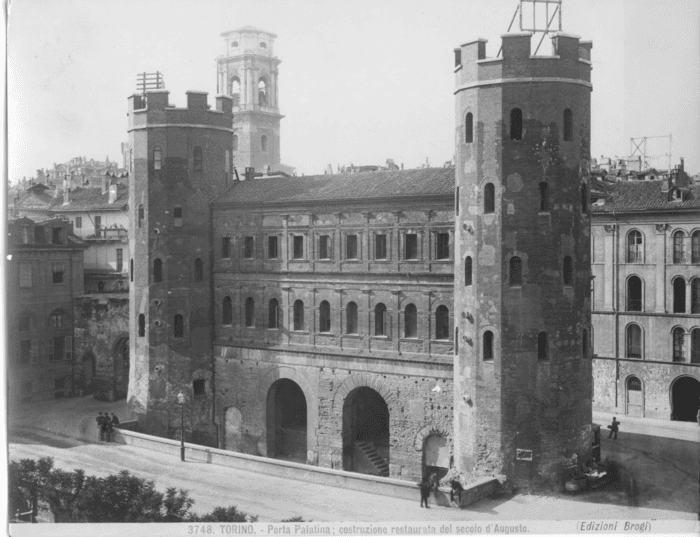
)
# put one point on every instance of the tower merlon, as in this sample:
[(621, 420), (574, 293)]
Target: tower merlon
[(196, 100), (154, 108)]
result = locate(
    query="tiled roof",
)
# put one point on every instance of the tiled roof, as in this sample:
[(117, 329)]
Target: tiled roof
[(361, 186), (646, 196), (81, 199)]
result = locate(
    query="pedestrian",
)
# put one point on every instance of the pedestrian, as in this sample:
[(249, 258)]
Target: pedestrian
[(456, 487), (434, 482), (100, 426), (424, 486), (107, 428), (115, 420), (614, 427)]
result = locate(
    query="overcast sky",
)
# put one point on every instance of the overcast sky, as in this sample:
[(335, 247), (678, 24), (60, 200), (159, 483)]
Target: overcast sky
[(360, 80)]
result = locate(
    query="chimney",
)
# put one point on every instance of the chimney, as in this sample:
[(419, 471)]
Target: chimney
[(105, 182), (249, 174), (112, 193), (682, 163)]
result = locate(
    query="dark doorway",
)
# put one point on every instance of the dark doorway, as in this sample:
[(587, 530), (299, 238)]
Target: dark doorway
[(286, 421), (436, 456), (685, 398), (121, 368), (366, 433)]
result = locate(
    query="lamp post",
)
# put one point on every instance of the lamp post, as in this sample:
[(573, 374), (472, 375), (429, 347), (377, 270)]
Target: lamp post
[(181, 402)]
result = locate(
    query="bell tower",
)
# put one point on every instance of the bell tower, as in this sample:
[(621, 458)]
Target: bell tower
[(523, 381), (248, 72)]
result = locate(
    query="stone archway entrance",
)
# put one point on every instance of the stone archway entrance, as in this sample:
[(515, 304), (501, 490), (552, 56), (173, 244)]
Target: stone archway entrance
[(121, 368), (286, 421), (436, 456), (685, 398), (366, 433)]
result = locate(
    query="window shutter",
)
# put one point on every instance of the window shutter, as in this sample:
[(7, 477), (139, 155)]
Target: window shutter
[(69, 348), (35, 351)]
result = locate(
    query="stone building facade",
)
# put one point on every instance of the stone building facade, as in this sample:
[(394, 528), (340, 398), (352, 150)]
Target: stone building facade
[(646, 298)]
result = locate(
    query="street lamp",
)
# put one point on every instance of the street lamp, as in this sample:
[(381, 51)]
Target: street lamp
[(181, 402)]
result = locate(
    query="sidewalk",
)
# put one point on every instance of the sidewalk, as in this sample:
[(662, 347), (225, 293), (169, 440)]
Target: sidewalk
[(680, 430)]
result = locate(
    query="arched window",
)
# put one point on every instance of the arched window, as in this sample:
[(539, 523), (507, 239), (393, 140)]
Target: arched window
[(198, 270), (442, 323), (227, 164), (298, 315), (678, 247), (635, 247), (410, 316), (544, 196), (263, 143), (249, 312), (273, 317), (157, 270), (584, 343), (695, 295), (568, 125), (568, 271), (516, 124), (324, 317), (489, 198), (142, 325), (695, 248), (516, 271), (678, 344), (236, 90), (197, 158), (380, 320), (487, 346), (467, 271), (695, 346), (179, 326), (469, 129), (351, 318), (679, 295), (141, 215), (157, 158), (262, 93), (634, 384), (584, 199), (634, 341), (634, 294), (227, 311), (235, 142), (542, 346)]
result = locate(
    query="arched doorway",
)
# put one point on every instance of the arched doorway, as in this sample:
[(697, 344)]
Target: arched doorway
[(436, 456), (121, 368), (685, 398), (366, 433), (635, 398), (286, 421)]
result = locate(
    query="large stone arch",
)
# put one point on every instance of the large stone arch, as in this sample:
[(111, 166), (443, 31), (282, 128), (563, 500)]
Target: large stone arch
[(360, 380), (284, 372), (438, 429)]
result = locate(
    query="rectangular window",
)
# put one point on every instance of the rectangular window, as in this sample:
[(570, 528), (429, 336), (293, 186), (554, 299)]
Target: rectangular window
[(177, 216), (380, 246), (78, 222), (324, 247), (58, 349), (225, 247), (443, 246), (248, 247), (39, 235), (411, 246), (25, 351), (98, 226), (25, 275), (298, 247), (57, 320), (272, 247), (56, 235), (351, 247), (120, 259), (199, 387), (57, 270)]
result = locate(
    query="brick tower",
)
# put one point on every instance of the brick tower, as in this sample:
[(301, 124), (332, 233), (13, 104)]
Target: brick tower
[(522, 371), (182, 161), (248, 73)]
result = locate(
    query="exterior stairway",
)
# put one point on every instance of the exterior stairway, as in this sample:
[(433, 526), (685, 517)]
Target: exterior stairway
[(368, 449)]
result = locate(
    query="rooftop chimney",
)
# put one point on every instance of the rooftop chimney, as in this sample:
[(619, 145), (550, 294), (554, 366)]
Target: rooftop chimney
[(112, 193)]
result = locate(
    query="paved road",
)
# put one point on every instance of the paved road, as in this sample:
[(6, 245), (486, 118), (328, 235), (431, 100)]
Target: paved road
[(274, 499), (679, 430)]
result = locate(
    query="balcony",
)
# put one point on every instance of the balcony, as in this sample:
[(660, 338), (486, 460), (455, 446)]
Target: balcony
[(109, 234)]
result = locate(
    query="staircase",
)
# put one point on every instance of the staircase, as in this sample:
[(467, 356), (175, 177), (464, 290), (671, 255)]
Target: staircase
[(374, 458)]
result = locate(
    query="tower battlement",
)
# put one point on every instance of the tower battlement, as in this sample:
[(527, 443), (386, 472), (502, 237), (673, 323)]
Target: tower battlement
[(155, 108), (570, 59)]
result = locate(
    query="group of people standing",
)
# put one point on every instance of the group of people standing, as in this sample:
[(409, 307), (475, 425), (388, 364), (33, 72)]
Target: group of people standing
[(432, 482), (105, 425)]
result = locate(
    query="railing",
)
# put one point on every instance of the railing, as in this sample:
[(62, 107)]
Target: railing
[(634, 304)]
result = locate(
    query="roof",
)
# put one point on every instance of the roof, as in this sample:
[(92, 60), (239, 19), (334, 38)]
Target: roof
[(342, 187), (248, 29), (81, 199), (645, 196)]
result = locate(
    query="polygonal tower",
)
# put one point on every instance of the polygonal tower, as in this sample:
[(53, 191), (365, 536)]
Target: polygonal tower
[(522, 371), (248, 73), (181, 162)]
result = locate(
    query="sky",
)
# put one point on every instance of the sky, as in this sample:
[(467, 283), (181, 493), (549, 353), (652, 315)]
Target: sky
[(360, 81)]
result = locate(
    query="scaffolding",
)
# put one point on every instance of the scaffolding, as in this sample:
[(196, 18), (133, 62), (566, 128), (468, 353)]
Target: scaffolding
[(541, 22), (639, 150), (149, 81)]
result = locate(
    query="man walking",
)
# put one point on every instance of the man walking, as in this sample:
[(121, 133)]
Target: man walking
[(614, 427), (424, 492)]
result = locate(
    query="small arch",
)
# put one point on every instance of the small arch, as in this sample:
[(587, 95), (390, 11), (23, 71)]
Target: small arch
[(157, 158), (634, 394), (544, 196), (678, 336), (568, 270), (236, 89), (263, 143), (469, 129), (142, 325), (298, 315), (634, 294), (542, 346), (380, 320), (695, 296), (262, 92), (515, 271), (635, 341), (695, 346), (273, 317), (157, 270), (679, 295), (516, 124), (179, 326), (568, 125), (695, 247), (442, 323), (198, 270), (467, 271), (685, 398), (487, 346), (635, 246), (324, 317), (249, 312), (489, 198), (410, 315), (227, 311), (351, 318)]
